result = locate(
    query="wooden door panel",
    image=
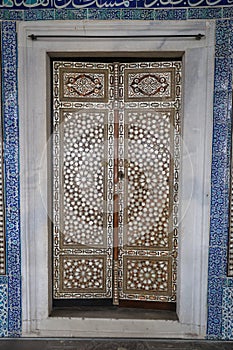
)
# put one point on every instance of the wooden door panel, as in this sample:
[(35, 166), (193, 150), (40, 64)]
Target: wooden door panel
[(116, 149), (83, 181), (150, 96)]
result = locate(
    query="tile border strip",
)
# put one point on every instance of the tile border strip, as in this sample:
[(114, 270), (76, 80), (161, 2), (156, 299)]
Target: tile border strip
[(11, 166), (218, 304), (176, 13)]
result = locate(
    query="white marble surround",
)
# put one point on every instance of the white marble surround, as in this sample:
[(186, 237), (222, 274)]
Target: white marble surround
[(198, 59)]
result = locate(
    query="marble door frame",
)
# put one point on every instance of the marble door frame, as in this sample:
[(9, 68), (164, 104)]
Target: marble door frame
[(33, 73)]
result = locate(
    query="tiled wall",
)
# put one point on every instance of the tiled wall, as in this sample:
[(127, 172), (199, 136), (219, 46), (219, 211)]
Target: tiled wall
[(220, 291), (220, 295)]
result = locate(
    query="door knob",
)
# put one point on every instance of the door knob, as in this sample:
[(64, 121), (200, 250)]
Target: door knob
[(121, 175)]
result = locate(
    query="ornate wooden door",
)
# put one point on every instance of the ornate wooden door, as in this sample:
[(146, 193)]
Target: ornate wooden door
[(116, 150)]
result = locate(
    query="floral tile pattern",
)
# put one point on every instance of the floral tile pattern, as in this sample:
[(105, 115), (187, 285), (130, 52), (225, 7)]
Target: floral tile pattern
[(3, 310), (207, 13), (227, 316), (11, 155), (220, 296)]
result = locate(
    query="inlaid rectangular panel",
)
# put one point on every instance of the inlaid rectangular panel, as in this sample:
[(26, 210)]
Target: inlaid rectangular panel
[(82, 181), (83, 274), (83, 193), (147, 277), (149, 179), (88, 85), (150, 84), (149, 149)]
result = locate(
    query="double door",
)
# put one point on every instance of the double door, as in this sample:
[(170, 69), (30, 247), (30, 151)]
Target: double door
[(115, 182)]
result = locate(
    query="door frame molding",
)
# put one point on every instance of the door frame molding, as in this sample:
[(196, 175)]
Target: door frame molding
[(198, 73)]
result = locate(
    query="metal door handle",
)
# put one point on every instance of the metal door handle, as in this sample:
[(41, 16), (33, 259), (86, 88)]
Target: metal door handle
[(121, 175)]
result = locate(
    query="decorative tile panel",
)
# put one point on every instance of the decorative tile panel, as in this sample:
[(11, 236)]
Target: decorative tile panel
[(222, 40), (3, 310), (12, 15), (109, 4), (227, 315), (200, 13), (70, 14), (137, 14), (219, 309), (37, 15), (216, 291), (2, 205), (168, 15), (104, 14), (11, 167)]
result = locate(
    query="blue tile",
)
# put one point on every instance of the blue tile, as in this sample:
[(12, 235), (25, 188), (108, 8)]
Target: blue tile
[(231, 36), (104, 14), (12, 15), (219, 232), (3, 310), (3, 279), (71, 14), (127, 14), (228, 12), (222, 39), (204, 13), (36, 15), (220, 142), (218, 212), (174, 14), (215, 292), (227, 317), (214, 325), (230, 282), (219, 194), (217, 224), (222, 74), (217, 262), (137, 14), (220, 171), (11, 164), (222, 101)]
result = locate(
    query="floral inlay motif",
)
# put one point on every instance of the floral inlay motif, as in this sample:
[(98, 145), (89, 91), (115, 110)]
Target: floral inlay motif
[(149, 160), (149, 84), (83, 273), (83, 150), (148, 275), (83, 85)]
